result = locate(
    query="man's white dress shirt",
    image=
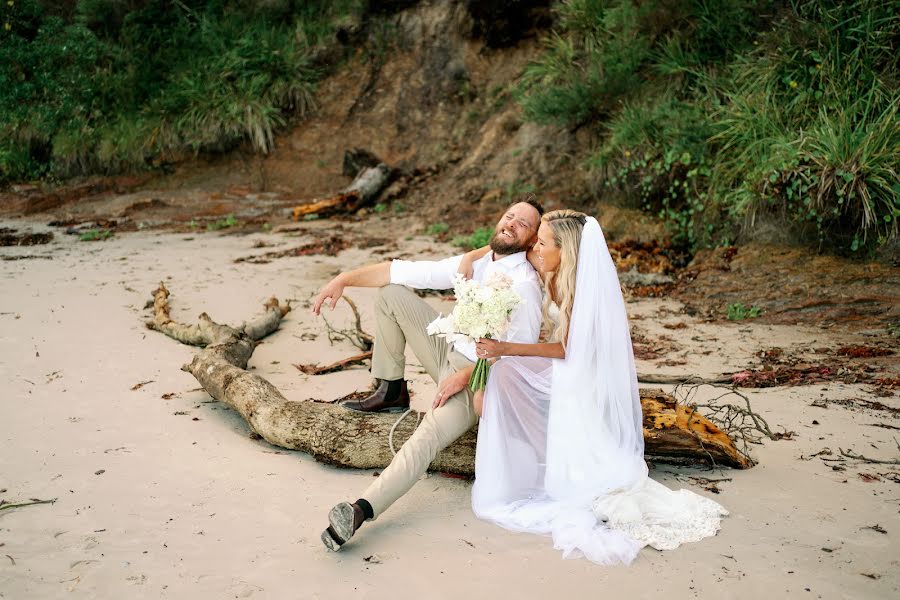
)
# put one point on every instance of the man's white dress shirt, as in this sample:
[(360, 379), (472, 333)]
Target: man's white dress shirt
[(525, 323)]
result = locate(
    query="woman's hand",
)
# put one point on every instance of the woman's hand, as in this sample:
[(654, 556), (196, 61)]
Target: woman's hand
[(467, 264), (466, 268), (451, 386), (487, 348)]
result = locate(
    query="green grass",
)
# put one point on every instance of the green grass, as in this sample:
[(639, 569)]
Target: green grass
[(437, 228), (226, 223), (810, 127), (477, 239), (117, 86), (713, 114), (95, 235), (739, 312)]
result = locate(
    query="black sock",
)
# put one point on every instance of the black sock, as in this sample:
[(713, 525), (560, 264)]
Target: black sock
[(366, 508), (394, 388)]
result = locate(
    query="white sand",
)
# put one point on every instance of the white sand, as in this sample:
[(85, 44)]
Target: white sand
[(190, 508)]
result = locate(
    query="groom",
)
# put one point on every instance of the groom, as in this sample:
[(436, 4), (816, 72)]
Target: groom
[(401, 318)]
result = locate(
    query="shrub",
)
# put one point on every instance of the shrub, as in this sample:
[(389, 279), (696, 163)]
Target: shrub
[(811, 126), (477, 239), (111, 86), (739, 312), (95, 235), (225, 223), (714, 113)]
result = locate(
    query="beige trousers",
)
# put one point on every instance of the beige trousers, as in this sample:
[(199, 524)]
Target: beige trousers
[(401, 317)]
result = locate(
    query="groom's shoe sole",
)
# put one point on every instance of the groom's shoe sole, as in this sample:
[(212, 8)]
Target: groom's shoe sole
[(329, 538), (340, 519)]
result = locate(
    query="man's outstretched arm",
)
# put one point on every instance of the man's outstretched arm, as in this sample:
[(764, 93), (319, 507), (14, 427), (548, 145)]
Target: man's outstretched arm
[(419, 274), (378, 275)]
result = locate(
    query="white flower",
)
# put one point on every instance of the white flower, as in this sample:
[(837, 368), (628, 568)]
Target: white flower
[(440, 326), (482, 310)]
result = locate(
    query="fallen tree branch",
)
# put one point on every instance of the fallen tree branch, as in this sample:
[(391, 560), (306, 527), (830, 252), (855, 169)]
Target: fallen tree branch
[(340, 365), (365, 188), (337, 436)]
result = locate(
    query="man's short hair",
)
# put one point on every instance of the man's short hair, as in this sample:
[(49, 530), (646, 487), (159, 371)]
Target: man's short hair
[(532, 200)]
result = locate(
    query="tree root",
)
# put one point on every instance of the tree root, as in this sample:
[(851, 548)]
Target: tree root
[(737, 421)]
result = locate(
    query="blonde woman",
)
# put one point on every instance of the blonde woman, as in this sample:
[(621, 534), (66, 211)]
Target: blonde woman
[(560, 442)]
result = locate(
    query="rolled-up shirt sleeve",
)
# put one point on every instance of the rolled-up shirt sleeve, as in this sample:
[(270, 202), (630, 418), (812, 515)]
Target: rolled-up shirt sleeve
[(426, 274), (525, 322)]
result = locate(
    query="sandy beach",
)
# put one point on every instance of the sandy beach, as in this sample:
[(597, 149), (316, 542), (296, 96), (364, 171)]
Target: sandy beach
[(161, 492)]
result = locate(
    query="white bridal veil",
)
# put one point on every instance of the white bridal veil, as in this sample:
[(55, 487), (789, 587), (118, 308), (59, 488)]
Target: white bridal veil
[(561, 447)]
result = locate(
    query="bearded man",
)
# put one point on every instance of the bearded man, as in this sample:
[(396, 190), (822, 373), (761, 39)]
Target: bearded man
[(401, 318)]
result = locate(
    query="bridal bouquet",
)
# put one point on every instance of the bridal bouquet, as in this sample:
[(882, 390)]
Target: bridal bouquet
[(483, 310)]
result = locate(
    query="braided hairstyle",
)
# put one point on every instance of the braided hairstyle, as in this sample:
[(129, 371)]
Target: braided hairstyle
[(566, 226)]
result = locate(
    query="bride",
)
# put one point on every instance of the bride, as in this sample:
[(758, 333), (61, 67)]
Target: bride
[(560, 442)]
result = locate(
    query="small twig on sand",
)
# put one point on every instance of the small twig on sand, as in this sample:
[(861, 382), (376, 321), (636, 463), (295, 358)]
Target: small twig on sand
[(4, 505), (358, 323), (855, 456), (681, 379), (340, 365), (356, 336), (876, 527), (707, 483)]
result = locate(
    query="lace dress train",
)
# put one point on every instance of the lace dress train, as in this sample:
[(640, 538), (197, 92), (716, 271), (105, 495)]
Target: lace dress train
[(607, 520)]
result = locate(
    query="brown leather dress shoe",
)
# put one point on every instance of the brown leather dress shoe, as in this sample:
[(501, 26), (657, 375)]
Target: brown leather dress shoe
[(387, 397)]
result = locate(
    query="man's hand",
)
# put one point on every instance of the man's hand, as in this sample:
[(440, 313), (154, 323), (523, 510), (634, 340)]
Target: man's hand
[(452, 385), (333, 290), (377, 275)]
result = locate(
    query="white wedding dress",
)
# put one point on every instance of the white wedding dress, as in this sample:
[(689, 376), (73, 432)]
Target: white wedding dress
[(560, 443)]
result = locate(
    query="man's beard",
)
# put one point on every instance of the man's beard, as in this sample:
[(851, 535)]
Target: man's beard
[(504, 248)]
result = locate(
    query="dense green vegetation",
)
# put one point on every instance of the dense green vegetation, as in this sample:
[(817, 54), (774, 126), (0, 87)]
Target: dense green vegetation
[(713, 113), (102, 85), (710, 113)]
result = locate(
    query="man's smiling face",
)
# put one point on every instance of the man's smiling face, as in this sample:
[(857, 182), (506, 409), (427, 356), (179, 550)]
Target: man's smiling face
[(516, 230)]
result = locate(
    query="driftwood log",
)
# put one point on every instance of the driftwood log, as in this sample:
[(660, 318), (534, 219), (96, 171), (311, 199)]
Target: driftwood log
[(345, 438), (365, 187)]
